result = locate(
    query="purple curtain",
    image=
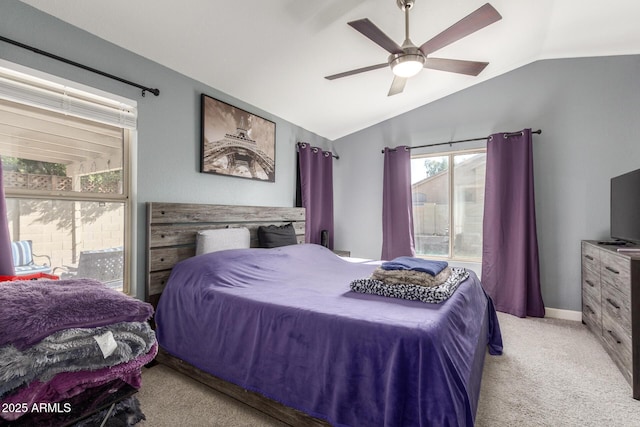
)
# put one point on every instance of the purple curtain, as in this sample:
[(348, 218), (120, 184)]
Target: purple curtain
[(315, 168), (510, 265), (6, 260), (397, 207)]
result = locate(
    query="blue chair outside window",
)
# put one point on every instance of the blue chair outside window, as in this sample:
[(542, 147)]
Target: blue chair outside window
[(23, 259)]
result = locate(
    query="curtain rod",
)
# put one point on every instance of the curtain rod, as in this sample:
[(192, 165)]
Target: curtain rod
[(315, 150), (539, 131), (156, 92)]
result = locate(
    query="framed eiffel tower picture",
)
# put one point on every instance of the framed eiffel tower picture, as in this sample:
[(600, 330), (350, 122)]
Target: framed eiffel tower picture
[(236, 142)]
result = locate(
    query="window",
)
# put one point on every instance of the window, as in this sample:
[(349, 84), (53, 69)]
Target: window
[(65, 163), (448, 204)]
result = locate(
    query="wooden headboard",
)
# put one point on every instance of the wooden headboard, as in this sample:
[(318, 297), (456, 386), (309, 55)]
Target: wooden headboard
[(172, 228)]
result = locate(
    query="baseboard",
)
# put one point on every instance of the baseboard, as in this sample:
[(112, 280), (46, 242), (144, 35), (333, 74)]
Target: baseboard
[(558, 313)]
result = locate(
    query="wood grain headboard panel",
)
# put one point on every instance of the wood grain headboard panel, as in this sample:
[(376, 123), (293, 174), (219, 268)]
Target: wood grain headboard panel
[(172, 229)]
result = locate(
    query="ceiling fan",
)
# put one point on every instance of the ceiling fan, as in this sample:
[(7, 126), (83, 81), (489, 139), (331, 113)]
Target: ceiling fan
[(407, 60)]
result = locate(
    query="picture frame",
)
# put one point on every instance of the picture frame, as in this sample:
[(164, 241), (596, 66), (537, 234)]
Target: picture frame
[(235, 142)]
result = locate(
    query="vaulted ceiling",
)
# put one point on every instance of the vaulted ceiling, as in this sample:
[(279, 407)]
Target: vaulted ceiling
[(274, 54)]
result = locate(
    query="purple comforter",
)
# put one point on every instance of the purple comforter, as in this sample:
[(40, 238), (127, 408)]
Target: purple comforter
[(284, 323)]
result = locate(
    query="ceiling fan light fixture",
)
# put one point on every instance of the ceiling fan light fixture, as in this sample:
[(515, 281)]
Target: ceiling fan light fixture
[(407, 65)]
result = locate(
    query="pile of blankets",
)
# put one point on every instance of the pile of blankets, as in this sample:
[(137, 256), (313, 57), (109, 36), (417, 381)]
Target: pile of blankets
[(413, 279), (68, 349)]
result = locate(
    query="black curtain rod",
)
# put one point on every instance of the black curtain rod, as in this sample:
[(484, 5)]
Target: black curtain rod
[(156, 92), (539, 131)]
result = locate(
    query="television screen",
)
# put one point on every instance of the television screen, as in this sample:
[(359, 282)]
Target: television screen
[(625, 207)]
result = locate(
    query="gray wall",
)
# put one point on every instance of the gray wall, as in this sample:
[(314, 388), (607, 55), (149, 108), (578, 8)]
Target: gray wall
[(589, 113), (168, 147)]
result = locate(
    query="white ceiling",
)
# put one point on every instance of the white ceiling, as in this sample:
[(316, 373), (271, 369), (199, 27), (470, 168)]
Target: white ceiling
[(274, 54)]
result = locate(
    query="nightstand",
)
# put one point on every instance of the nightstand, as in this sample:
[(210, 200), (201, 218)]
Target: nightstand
[(341, 253)]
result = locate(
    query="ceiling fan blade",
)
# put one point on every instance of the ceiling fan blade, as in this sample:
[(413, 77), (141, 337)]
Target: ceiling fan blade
[(375, 34), (397, 86), (471, 23), (357, 71), (470, 68)]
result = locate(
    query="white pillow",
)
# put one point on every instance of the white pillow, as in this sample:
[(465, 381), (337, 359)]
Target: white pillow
[(222, 239)]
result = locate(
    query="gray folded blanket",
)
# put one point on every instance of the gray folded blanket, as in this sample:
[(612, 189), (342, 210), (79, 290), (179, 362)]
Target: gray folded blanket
[(409, 291), (410, 276), (72, 350)]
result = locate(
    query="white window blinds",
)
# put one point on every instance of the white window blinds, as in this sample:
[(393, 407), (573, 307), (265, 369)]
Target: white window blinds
[(24, 88)]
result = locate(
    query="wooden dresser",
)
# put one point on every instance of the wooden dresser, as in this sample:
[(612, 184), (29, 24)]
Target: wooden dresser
[(611, 305)]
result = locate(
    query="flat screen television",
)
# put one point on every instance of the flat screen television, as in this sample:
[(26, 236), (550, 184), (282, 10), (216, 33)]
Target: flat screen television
[(625, 207)]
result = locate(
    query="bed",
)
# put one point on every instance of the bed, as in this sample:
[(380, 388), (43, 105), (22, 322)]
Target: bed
[(281, 330)]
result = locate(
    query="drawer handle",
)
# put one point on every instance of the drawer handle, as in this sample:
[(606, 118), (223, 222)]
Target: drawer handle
[(614, 337), (590, 283), (589, 257), (614, 271), (613, 303)]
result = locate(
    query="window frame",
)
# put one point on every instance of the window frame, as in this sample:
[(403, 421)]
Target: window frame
[(128, 165), (451, 180)]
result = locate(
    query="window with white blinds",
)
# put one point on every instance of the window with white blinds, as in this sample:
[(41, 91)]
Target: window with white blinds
[(66, 169)]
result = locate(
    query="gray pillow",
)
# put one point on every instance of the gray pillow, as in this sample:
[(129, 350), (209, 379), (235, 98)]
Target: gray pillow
[(273, 236)]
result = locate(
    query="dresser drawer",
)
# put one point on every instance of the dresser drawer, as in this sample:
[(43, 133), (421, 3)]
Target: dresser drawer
[(590, 282), (591, 259), (592, 312), (616, 307), (615, 271), (618, 344)]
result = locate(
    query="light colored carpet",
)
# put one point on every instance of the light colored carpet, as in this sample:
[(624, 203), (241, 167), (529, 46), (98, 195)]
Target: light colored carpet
[(169, 399), (552, 373)]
